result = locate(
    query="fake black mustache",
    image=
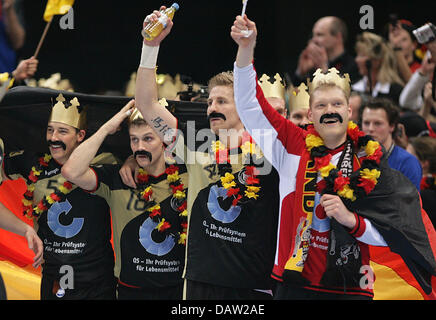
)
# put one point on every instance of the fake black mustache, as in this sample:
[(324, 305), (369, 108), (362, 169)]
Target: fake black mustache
[(216, 115), (142, 153), (331, 116), (57, 143)]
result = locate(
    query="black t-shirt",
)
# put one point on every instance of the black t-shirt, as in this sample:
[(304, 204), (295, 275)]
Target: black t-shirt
[(148, 258), (75, 231), (231, 246)]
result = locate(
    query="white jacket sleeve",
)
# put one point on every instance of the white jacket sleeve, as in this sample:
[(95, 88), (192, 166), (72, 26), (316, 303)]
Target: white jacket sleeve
[(411, 96)]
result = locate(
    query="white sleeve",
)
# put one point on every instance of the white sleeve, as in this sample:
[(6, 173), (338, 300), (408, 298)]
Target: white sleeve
[(273, 133), (371, 236), (410, 96)]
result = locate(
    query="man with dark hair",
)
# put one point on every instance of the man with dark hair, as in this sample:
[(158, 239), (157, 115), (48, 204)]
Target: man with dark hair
[(380, 119), (73, 225), (326, 49)]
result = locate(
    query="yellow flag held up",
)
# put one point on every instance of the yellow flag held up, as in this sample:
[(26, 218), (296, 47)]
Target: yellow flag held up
[(57, 7)]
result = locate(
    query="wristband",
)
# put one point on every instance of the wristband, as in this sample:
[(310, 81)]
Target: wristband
[(149, 56)]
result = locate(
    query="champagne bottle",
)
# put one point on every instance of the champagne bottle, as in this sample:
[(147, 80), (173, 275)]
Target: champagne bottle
[(153, 29)]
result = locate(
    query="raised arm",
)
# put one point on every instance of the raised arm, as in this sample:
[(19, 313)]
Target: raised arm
[(159, 118), (276, 136), (76, 169), (246, 44)]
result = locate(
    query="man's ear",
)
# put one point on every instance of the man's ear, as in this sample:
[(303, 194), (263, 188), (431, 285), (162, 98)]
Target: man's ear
[(309, 115), (81, 135)]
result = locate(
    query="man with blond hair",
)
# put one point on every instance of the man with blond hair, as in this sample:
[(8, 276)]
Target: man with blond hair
[(337, 196)]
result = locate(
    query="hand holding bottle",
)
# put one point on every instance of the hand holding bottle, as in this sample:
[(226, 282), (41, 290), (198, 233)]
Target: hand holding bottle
[(158, 25)]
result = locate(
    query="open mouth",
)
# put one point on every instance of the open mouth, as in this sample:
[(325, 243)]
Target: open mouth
[(330, 121), (56, 145), (142, 155)]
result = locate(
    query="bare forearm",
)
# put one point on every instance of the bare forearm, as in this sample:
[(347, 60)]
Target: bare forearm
[(14, 29), (10, 221), (146, 95), (78, 163), (403, 67)]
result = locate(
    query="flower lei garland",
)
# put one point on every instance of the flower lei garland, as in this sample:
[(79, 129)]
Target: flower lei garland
[(362, 181), (154, 209), (59, 194), (240, 192), (428, 182)]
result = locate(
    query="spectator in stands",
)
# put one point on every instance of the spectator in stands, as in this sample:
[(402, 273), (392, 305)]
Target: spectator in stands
[(326, 49), (379, 120), (404, 44), (424, 148), (378, 66), (12, 34), (411, 96)]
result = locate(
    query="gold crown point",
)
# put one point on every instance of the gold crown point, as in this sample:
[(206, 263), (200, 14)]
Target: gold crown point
[(332, 76), (68, 114), (275, 89), (299, 97), (60, 98)]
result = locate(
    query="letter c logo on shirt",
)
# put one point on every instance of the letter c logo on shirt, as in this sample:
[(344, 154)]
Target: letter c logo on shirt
[(59, 229)]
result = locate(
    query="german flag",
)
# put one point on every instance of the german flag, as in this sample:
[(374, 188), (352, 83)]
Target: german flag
[(394, 208)]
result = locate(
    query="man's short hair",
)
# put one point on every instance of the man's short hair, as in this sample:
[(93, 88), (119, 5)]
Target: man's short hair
[(338, 26), (137, 123), (221, 79), (392, 111)]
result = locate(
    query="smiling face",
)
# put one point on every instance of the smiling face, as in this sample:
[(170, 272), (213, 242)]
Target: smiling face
[(330, 112), (221, 110), (63, 139), (143, 138)]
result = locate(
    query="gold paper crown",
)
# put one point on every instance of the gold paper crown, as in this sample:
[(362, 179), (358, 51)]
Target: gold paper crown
[(137, 115), (131, 85), (55, 82), (276, 89), (70, 113), (332, 77), (299, 97), (167, 86)]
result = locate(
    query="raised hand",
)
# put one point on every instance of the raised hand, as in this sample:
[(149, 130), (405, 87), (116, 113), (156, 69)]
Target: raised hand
[(239, 32), (153, 17), (25, 69), (112, 125)]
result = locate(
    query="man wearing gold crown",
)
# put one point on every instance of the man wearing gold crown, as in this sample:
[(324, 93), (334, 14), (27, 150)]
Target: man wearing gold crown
[(150, 220), (299, 105), (74, 225), (337, 195), (232, 200), (274, 93)]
